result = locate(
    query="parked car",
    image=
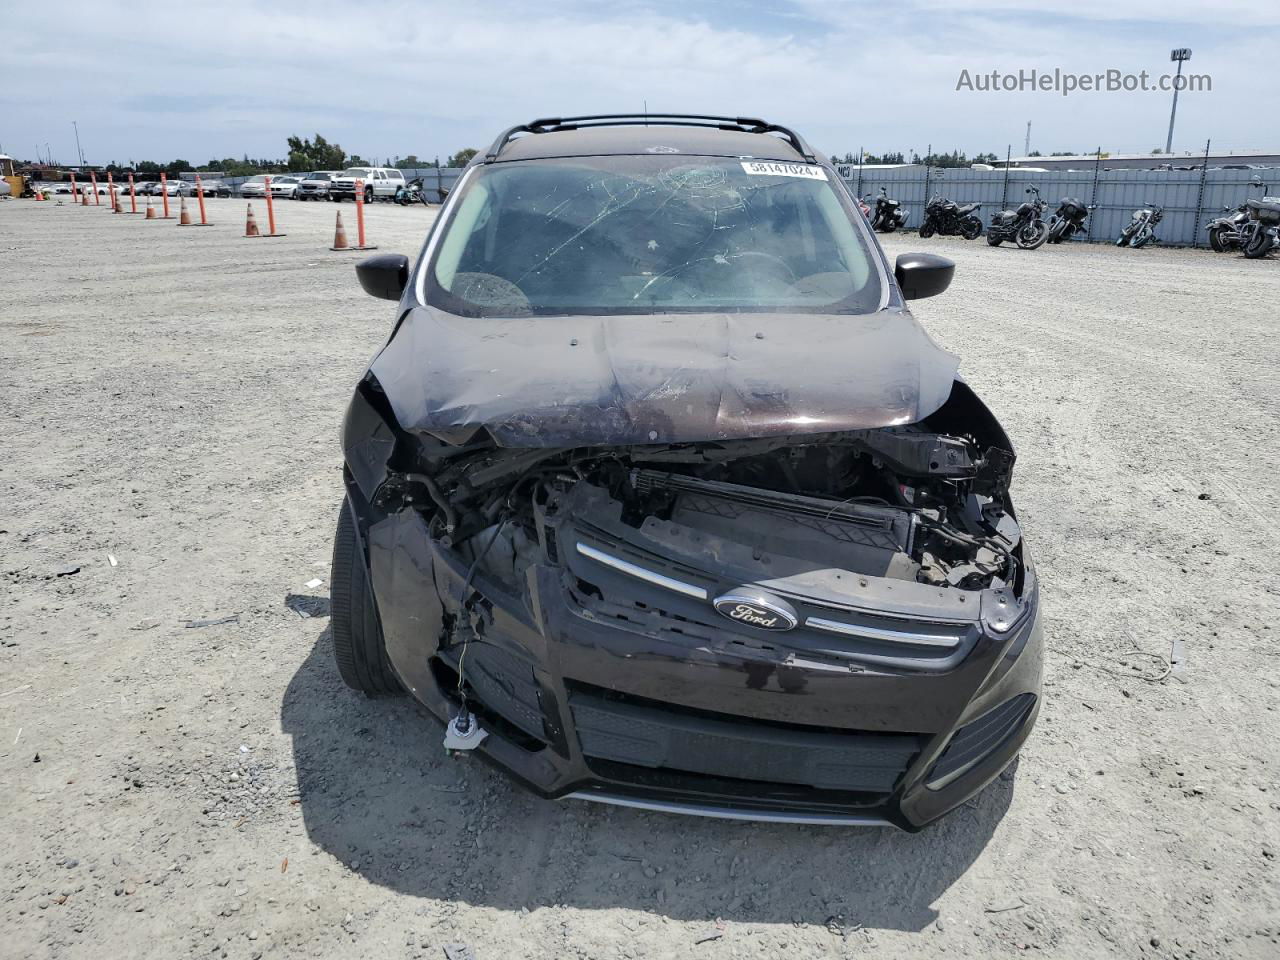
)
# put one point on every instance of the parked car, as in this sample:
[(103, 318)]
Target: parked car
[(254, 186), (284, 186), (215, 187), (652, 504), (315, 185), (379, 183)]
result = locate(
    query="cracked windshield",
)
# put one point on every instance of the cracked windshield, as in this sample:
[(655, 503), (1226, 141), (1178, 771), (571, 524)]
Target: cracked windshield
[(609, 235)]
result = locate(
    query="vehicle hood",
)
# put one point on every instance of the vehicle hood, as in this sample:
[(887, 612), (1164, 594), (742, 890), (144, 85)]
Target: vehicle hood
[(668, 378)]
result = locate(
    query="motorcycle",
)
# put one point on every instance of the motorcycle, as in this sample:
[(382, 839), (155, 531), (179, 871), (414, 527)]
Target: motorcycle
[(411, 192), (888, 215), (1141, 229), (1024, 225), (1227, 233), (948, 218), (1068, 220), (1262, 231)]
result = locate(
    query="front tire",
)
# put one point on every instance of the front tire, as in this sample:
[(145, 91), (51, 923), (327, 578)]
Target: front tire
[(358, 647), (926, 230), (1033, 235), (971, 228), (1141, 238), (1259, 245), (994, 239)]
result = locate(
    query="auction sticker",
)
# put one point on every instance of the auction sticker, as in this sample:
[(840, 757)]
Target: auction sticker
[(771, 168)]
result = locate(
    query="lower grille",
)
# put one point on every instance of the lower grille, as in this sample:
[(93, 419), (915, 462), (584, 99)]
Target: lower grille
[(974, 741), (720, 746)]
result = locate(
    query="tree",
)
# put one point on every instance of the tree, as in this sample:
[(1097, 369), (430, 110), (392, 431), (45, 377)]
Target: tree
[(462, 157), (179, 166), (318, 154), (410, 162)]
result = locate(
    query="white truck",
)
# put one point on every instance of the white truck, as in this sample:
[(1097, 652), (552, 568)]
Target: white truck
[(379, 182)]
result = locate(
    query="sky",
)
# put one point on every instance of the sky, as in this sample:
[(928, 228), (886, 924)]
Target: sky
[(387, 79)]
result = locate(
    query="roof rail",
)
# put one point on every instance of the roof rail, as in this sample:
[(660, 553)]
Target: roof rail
[(740, 124)]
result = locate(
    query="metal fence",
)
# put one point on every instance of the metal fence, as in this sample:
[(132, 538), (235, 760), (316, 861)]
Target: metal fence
[(1190, 198)]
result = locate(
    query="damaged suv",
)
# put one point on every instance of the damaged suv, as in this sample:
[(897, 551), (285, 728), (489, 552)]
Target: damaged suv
[(657, 494)]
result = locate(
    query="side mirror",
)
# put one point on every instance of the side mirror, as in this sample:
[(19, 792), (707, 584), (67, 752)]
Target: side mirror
[(921, 275), (385, 275)]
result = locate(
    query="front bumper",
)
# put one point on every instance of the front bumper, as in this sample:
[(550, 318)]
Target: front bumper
[(657, 710)]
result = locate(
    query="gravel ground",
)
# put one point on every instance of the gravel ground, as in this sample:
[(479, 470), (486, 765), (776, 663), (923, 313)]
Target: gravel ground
[(175, 787)]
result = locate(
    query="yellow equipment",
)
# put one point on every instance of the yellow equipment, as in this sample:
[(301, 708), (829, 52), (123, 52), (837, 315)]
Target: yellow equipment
[(10, 176)]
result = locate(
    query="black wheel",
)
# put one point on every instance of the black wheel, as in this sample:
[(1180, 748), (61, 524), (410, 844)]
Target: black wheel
[(1057, 230), (926, 230), (1217, 241), (993, 240), (1259, 244), (1033, 235), (368, 194), (358, 647), (1141, 238), (1123, 239), (971, 228)]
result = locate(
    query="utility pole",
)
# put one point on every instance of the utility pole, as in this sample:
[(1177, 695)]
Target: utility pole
[(76, 127), (1181, 55), (1026, 147)]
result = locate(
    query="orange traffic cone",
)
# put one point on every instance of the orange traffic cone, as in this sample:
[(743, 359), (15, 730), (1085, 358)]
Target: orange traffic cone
[(151, 211), (84, 198), (118, 208), (251, 225), (339, 235), (184, 218)]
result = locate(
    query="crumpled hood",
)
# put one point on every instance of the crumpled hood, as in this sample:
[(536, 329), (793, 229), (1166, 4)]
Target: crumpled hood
[(668, 378)]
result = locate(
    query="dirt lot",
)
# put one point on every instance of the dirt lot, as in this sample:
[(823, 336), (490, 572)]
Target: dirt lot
[(171, 399)]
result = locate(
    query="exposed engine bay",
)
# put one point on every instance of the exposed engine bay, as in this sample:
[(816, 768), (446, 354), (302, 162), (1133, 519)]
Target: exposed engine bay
[(901, 503)]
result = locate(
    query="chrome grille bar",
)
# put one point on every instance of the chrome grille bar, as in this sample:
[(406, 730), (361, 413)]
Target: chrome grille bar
[(945, 640), (641, 573)]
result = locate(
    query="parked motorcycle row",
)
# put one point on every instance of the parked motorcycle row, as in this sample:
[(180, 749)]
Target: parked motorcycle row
[(1024, 226), (1253, 227)]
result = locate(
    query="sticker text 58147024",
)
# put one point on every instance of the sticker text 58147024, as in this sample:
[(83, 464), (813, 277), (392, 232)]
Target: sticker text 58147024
[(772, 168)]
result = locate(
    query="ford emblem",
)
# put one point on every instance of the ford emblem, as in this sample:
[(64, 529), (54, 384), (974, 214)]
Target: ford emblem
[(756, 608)]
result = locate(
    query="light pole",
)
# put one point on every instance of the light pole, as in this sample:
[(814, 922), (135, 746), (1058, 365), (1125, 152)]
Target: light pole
[(1180, 55), (76, 127)]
